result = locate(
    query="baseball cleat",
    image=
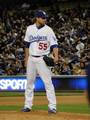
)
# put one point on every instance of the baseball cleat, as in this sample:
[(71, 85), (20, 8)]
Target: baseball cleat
[(52, 111), (26, 110)]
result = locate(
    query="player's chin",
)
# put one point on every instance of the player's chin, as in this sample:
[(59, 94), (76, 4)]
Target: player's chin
[(42, 24)]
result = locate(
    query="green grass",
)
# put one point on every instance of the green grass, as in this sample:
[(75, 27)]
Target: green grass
[(82, 108), (58, 93), (11, 94)]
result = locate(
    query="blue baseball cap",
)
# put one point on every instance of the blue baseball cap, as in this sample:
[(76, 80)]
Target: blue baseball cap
[(41, 14)]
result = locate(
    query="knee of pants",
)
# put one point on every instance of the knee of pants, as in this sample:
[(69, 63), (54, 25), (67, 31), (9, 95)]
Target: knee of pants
[(49, 86)]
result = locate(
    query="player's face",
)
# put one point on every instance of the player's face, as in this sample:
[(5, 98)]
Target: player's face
[(41, 21)]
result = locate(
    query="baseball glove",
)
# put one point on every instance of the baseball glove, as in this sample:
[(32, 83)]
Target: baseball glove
[(48, 60)]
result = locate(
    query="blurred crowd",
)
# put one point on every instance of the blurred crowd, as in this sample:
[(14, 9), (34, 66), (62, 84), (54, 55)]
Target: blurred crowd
[(71, 26)]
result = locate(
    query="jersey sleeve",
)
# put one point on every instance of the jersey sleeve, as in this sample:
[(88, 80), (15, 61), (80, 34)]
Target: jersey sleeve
[(52, 38)]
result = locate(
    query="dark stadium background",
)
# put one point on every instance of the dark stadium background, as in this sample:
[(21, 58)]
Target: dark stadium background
[(35, 4)]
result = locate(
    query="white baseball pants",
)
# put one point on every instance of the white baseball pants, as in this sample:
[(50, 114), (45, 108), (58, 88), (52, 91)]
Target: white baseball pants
[(37, 65)]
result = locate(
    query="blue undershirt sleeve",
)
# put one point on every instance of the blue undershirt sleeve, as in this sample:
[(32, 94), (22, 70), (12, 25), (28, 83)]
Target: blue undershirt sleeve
[(26, 44), (54, 46)]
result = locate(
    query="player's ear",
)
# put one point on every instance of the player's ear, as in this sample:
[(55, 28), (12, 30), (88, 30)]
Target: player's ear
[(33, 20), (36, 18)]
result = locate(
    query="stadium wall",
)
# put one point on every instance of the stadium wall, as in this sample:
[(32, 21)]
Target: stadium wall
[(60, 82)]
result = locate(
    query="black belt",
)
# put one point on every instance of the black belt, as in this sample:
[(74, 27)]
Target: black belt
[(35, 56)]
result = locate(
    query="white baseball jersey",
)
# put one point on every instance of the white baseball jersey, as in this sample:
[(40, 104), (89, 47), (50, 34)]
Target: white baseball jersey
[(40, 39)]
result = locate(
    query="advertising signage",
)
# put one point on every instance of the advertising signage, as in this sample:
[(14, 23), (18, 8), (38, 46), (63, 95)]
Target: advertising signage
[(18, 83)]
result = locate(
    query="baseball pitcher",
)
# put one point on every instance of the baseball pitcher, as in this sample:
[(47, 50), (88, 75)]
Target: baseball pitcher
[(39, 39)]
